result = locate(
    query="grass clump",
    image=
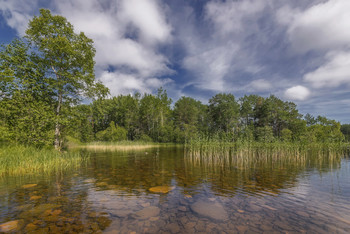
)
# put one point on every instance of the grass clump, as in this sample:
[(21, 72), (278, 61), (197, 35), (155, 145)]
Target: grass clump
[(118, 145), (18, 159), (275, 151)]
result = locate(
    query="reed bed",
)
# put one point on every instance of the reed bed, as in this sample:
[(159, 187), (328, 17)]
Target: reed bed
[(250, 153), (117, 147), (120, 146), (17, 160)]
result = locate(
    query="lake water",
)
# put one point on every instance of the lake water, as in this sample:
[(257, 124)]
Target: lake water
[(165, 190)]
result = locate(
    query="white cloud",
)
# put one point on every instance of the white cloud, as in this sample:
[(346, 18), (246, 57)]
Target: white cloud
[(120, 83), (210, 66), (335, 72), (148, 17), (108, 23), (320, 27), (260, 85), (298, 93), (228, 16), (18, 13), (214, 59)]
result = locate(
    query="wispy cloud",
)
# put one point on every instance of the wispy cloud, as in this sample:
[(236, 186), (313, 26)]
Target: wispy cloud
[(322, 26), (298, 50), (333, 73)]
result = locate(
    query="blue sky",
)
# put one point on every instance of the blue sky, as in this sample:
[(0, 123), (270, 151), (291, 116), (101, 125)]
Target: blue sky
[(297, 50)]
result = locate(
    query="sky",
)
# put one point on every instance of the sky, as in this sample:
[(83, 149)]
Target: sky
[(296, 50)]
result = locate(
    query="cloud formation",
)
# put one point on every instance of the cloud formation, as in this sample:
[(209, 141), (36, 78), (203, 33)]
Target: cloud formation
[(126, 34), (298, 93), (333, 73), (322, 26), (198, 48), (18, 13)]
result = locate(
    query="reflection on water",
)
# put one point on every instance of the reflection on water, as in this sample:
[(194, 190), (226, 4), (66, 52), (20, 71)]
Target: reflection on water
[(117, 193)]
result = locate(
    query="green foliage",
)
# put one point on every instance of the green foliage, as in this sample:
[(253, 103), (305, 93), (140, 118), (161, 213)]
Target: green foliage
[(264, 134), (287, 135), (325, 131), (42, 76), (345, 129), (45, 75), (25, 104), (224, 113), (17, 160), (145, 138), (112, 133), (190, 119), (66, 59)]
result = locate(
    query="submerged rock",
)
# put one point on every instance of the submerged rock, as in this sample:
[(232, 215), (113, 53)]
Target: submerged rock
[(39, 210), (148, 212), (210, 210), (35, 197), (121, 212), (29, 185), (11, 226), (101, 184), (161, 189), (30, 227)]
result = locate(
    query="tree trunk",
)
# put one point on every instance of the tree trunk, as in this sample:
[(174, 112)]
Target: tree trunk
[(58, 127)]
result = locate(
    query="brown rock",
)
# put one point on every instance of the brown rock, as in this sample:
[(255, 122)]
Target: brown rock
[(121, 213), (29, 185), (161, 189), (190, 225), (210, 210), (154, 219), (173, 227), (101, 184), (56, 212), (148, 212), (35, 197), (242, 229), (145, 204), (30, 227), (11, 226)]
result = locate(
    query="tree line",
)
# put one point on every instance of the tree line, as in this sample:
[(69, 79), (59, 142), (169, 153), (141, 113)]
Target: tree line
[(46, 74), (151, 117)]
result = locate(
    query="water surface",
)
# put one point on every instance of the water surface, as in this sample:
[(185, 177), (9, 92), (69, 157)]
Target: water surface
[(112, 194)]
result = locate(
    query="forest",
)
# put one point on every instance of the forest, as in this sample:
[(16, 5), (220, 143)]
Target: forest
[(153, 118), (46, 74)]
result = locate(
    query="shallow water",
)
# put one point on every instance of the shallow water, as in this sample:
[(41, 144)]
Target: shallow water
[(112, 194)]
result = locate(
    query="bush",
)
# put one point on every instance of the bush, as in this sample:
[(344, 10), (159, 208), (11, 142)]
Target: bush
[(112, 133)]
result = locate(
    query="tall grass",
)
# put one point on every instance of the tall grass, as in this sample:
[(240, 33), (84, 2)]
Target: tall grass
[(221, 152), (18, 159), (120, 145)]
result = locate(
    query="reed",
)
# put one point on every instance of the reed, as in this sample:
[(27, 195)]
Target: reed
[(116, 147), (277, 152), (121, 146), (18, 159)]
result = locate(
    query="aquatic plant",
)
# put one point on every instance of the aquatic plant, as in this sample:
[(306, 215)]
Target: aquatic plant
[(19, 159), (278, 151)]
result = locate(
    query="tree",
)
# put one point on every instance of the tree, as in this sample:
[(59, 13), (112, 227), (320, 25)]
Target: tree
[(247, 107), (154, 116), (189, 118), (25, 102), (224, 113), (345, 129), (67, 62)]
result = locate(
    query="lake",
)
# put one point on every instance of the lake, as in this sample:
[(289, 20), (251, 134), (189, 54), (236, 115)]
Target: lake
[(167, 190)]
